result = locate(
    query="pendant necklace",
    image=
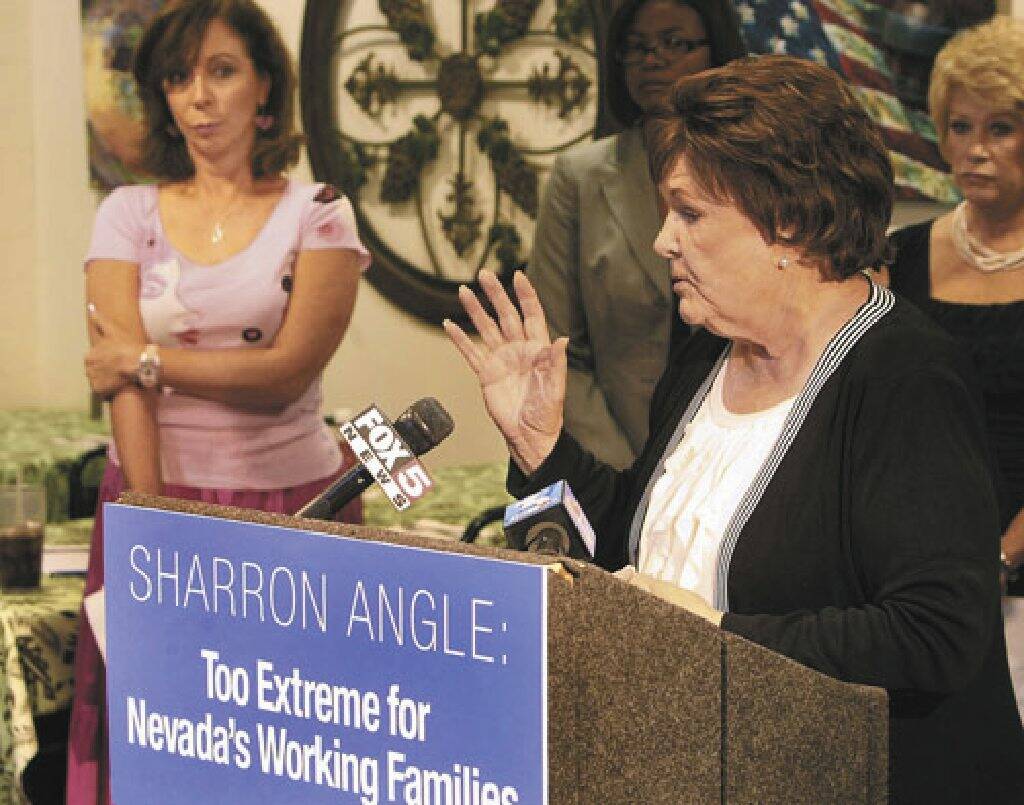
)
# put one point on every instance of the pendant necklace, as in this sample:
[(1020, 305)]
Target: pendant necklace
[(217, 233), (978, 254)]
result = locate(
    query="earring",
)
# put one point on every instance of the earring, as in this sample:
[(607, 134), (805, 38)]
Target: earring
[(783, 263), (263, 121)]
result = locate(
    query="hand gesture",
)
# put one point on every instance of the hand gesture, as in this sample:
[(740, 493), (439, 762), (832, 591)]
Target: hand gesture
[(111, 360), (674, 594), (521, 373)]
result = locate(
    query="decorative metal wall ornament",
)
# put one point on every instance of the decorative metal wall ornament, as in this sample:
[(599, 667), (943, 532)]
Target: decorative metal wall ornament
[(454, 137)]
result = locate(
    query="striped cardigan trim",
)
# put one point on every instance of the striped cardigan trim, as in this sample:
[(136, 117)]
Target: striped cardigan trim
[(879, 303)]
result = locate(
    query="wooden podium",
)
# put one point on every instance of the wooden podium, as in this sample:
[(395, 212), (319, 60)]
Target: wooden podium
[(649, 704)]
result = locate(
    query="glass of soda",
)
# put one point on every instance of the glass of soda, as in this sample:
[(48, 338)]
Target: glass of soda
[(22, 519)]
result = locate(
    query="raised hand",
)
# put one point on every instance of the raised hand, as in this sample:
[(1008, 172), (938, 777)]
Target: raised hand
[(521, 372)]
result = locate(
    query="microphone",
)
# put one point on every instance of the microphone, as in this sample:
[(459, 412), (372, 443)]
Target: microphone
[(552, 522), (422, 426)]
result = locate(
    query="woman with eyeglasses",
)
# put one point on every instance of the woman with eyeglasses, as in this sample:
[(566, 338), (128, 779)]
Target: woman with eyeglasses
[(600, 283)]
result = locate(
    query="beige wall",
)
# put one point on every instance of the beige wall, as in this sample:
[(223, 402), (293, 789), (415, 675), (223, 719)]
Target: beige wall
[(1015, 7), (46, 210), (19, 375)]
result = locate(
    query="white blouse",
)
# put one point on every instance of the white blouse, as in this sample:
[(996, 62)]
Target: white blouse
[(705, 478)]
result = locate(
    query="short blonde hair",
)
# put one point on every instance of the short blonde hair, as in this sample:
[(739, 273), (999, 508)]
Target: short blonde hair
[(987, 60)]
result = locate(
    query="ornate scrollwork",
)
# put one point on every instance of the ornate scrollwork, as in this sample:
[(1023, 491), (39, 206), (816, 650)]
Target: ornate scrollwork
[(372, 87), (507, 22), (566, 89), (469, 84), (409, 19), (406, 157), (461, 227), (515, 177)]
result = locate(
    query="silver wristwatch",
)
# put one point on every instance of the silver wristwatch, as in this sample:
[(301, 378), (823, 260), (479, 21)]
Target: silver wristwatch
[(147, 373)]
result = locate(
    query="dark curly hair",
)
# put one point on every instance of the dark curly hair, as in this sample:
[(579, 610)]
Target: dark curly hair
[(787, 142), (170, 44), (725, 44)]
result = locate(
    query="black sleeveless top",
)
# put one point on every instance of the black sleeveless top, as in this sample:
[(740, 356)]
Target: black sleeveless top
[(994, 337)]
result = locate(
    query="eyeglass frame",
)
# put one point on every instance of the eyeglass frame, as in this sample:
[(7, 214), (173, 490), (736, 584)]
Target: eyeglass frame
[(644, 49)]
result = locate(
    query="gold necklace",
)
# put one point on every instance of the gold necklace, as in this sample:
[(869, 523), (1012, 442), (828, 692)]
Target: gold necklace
[(978, 254)]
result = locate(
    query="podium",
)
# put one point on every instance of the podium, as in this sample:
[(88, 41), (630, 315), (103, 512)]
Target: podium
[(646, 703)]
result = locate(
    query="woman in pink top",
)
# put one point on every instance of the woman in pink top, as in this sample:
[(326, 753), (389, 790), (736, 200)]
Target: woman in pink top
[(216, 298)]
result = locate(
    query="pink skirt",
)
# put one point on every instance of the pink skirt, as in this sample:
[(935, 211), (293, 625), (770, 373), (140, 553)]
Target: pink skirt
[(88, 763)]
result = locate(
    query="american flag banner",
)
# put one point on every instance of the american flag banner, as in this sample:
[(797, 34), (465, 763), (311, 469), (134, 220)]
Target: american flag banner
[(844, 34)]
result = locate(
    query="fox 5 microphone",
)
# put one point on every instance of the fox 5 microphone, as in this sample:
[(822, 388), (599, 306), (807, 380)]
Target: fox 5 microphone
[(387, 455), (550, 521)]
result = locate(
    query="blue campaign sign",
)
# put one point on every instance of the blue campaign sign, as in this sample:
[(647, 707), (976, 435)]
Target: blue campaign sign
[(254, 663)]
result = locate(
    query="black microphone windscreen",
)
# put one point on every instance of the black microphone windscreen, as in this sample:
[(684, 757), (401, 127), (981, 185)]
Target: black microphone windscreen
[(424, 425)]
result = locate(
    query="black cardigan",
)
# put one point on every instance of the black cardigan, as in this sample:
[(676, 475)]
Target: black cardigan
[(867, 547)]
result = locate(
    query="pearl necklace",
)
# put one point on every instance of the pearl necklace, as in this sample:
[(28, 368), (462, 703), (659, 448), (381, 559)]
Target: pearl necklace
[(978, 254)]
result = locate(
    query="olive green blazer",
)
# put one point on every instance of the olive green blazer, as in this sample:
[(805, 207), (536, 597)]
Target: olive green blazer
[(602, 285)]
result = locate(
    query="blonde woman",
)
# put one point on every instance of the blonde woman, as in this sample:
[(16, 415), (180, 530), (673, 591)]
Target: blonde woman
[(966, 269)]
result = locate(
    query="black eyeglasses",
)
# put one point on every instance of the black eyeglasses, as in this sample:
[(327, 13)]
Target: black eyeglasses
[(669, 47)]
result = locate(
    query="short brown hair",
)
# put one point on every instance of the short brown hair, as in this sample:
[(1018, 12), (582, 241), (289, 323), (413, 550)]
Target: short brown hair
[(787, 142), (171, 42), (725, 43)]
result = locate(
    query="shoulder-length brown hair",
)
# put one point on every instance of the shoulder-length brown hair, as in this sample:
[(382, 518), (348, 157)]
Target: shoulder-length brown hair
[(789, 144), (725, 43), (170, 44)]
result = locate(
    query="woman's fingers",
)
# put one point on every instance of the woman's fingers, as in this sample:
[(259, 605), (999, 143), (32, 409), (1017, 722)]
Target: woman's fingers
[(534, 324), (106, 327), (508, 316), (510, 326), (560, 358), (489, 332), (464, 344), (625, 573), (96, 319)]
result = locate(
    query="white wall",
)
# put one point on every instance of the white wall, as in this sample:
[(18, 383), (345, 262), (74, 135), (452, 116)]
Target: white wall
[(46, 210)]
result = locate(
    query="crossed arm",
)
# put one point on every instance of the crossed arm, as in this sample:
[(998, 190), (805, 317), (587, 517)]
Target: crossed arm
[(261, 379)]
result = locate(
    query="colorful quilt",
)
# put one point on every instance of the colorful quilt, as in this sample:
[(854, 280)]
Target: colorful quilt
[(844, 34)]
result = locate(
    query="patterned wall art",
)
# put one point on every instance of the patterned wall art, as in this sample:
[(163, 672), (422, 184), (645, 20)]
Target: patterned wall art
[(440, 121)]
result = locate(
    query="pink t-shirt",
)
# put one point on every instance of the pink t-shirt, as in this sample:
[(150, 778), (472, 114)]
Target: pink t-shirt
[(239, 302)]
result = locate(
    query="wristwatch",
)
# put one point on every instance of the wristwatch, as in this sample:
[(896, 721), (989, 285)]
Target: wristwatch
[(1004, 565), (147, 373)]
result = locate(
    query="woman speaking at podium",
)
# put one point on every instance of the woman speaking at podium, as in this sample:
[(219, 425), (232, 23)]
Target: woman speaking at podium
[(216, 299), (816, 478)]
